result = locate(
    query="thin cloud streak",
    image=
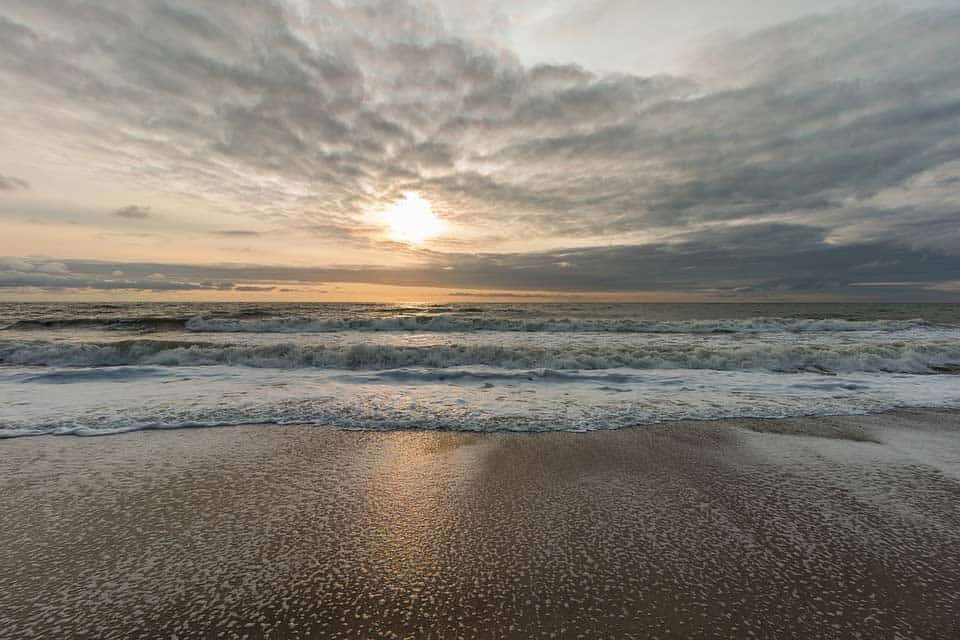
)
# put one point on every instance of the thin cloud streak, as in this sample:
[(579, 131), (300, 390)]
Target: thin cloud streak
[(11, 183), (133, 212)]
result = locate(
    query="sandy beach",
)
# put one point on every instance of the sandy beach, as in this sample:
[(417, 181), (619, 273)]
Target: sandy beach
[(479, 319), (839, 527)]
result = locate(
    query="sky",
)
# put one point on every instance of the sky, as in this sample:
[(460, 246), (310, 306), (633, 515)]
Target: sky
[(676, 150)]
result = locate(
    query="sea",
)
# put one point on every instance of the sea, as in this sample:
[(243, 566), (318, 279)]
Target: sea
[(99, 369)]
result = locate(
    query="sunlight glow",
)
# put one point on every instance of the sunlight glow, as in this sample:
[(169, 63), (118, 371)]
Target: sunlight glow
[(412, 219)]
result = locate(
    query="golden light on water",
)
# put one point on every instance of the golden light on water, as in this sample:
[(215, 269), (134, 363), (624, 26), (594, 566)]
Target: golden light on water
[(412, 219)]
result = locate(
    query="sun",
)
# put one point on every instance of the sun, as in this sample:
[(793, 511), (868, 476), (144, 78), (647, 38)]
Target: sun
[(412, 219)]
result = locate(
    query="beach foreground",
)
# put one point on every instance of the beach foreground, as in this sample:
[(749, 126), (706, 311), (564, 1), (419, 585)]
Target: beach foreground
[(801, 528)]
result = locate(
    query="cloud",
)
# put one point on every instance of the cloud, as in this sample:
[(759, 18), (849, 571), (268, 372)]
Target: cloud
[(52, 267), (238, 233), (16, 264), (253, 288), (10, 183), (741, 262), (833, 136), (18, 273), (498, 294), (133, 212)]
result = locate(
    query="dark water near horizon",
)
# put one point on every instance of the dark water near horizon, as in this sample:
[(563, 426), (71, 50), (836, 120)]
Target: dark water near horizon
[(99, 368)]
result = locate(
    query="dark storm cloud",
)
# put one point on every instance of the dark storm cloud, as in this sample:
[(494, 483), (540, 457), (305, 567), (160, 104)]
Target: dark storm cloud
[(10, 183), (841, 128), (134, 212)]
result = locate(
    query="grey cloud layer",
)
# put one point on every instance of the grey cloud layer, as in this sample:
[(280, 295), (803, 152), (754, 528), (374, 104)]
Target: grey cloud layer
[(17, 273), (754, 261), (843, 127)]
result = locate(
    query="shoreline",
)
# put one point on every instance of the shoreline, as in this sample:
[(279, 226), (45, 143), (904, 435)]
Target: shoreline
[(86, 432), (785, 528)]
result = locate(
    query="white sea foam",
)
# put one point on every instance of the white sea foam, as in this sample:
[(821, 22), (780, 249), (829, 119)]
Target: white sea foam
[(479, 399)]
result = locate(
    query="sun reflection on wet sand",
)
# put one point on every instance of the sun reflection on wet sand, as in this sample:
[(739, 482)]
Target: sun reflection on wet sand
[(416, 498)]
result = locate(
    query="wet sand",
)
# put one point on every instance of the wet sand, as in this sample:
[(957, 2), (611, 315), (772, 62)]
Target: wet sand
[(801, 528)]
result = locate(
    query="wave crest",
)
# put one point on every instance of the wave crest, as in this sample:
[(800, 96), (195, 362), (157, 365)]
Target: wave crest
[(895, 357)]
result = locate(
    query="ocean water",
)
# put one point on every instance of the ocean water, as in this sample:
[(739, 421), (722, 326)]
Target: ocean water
[(97, 369)]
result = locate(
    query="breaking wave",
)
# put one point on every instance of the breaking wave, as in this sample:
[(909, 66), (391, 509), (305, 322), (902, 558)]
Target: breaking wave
[(894, 357)]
